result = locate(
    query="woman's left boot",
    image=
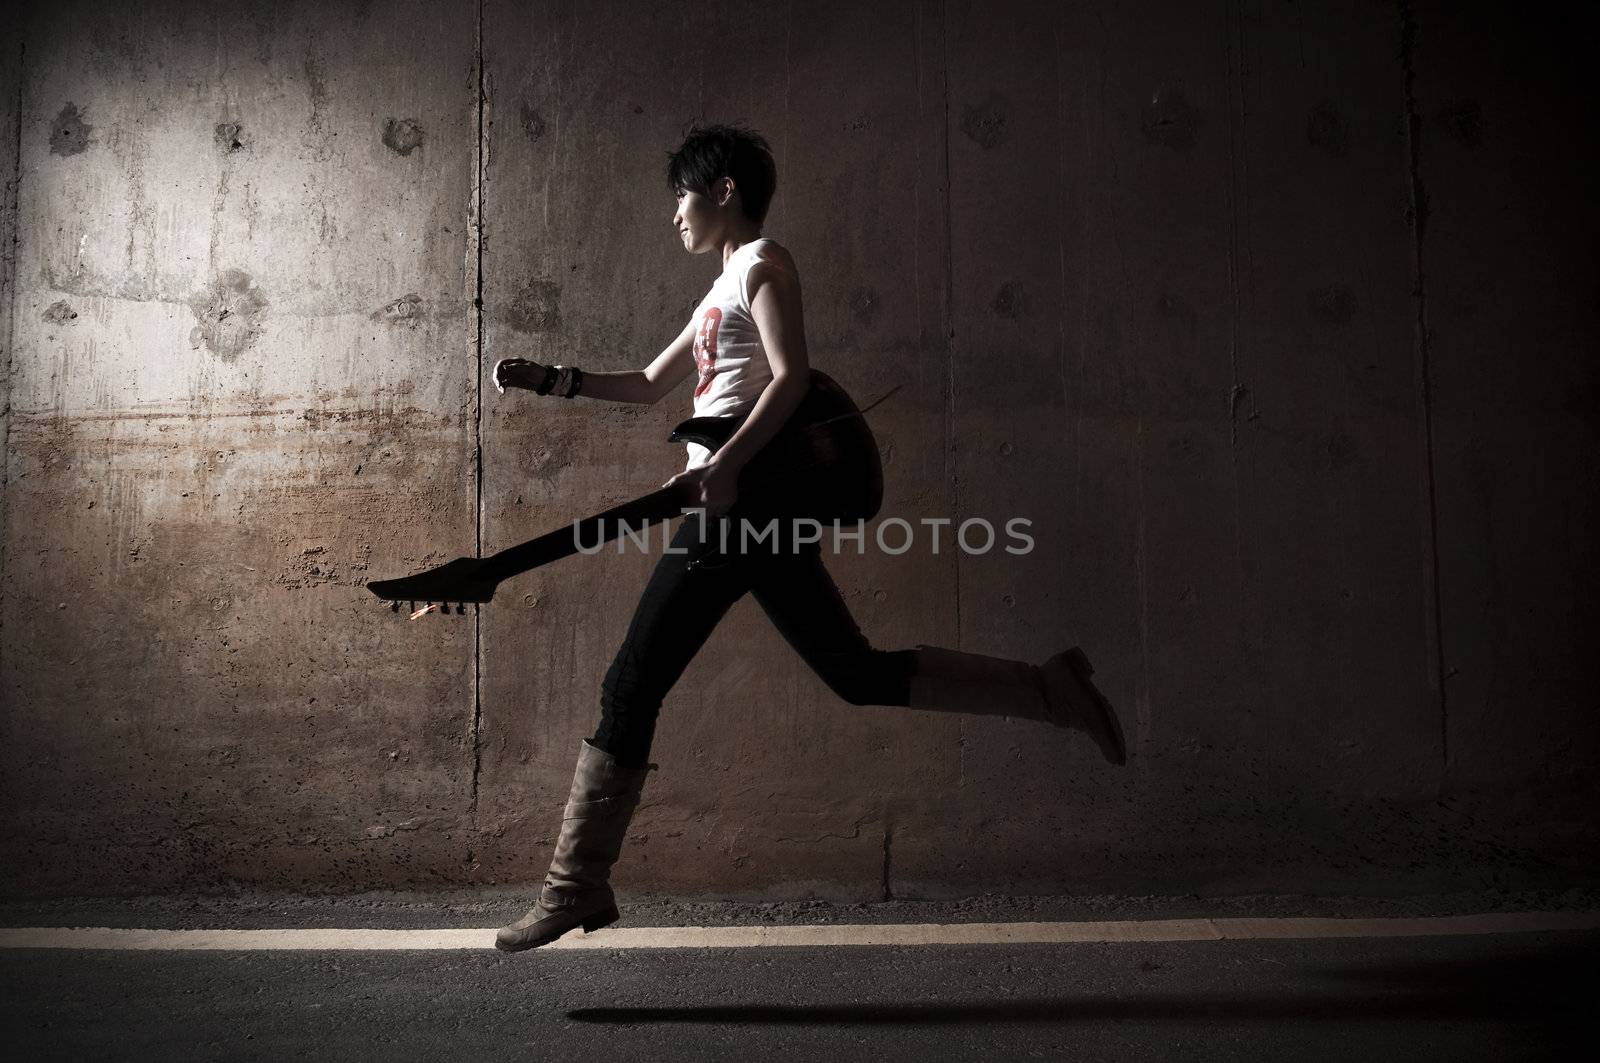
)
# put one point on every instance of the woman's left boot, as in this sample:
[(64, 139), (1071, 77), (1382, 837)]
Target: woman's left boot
[(577, 890), (1058, 692)]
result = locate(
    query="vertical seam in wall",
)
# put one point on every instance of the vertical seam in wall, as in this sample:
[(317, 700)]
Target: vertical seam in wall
[(1240, 265), (788, 80), (8, 284), (949, 313), (1235, 389), (477, 336), (1057, 574), (886, 890), (948, 324), (1419, 219)]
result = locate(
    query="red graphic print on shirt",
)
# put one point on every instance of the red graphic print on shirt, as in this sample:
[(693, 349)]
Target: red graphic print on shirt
[(705, 348)]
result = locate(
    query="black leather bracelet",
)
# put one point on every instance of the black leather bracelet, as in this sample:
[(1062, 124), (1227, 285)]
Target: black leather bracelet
[(577, 382), (545, 386)]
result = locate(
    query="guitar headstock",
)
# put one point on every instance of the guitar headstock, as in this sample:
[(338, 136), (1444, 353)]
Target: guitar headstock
[(460, 582), (443, 607)]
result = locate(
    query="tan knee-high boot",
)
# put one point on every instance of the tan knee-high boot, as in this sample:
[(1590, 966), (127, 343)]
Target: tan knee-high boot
[(577, 890), (1058, 692)]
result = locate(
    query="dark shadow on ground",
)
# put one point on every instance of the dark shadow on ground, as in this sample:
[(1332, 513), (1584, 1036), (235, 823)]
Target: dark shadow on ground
[(1515, 986)]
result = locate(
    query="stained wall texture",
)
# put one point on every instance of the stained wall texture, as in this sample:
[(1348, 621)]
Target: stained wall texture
[(1276, 320)]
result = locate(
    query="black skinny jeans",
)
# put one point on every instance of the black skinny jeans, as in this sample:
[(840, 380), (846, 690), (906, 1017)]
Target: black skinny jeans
[(687, 596)]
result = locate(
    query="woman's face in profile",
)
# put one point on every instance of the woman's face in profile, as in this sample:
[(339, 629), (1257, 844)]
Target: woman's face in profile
[(694, 219)]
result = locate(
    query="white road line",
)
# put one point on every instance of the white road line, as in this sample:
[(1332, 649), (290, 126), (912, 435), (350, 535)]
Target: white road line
[(738, 937)]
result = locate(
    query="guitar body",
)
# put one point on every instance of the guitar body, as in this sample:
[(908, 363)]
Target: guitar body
[(822, 464)]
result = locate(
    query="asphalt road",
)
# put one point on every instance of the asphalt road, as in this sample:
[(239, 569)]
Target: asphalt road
[(1522, 996)]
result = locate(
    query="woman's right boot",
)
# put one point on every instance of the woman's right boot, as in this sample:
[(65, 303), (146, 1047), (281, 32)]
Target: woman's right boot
[(1058, 691), (577, 890)]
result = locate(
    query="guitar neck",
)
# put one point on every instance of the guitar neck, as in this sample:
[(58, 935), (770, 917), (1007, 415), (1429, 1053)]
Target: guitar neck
[(592, 531), (799, 450)]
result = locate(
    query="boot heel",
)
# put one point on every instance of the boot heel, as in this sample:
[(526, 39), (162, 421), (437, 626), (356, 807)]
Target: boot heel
[(1079, 661), (600, 919)]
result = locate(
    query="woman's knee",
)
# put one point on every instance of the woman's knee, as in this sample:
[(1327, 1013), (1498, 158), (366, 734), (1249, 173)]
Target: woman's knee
[(869, 677), (853, 692)]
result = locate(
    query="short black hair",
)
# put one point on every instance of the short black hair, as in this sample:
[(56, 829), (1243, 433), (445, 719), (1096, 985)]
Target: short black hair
[(710, 153)]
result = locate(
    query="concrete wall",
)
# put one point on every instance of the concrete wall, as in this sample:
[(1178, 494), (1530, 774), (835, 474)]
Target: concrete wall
[(1277, 321)]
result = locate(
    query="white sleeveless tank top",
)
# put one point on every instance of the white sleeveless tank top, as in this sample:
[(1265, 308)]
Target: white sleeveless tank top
[(732, 364)]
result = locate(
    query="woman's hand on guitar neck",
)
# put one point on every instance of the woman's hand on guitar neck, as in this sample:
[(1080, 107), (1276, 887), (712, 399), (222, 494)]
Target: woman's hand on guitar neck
[(717, 485)]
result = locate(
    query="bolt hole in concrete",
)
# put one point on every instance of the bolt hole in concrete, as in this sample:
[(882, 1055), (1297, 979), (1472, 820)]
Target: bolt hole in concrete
[(60, 313), (228, 136), (985, 123), (406, 310), (229, 315), (70, 133), (402, 135)]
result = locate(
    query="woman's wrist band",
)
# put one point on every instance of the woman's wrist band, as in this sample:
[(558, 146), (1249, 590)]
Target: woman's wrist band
[(563, 380), (544, 386), (569, 381)]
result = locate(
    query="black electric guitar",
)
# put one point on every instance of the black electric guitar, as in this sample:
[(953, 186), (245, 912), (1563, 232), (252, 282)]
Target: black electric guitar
[(823, 464)]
